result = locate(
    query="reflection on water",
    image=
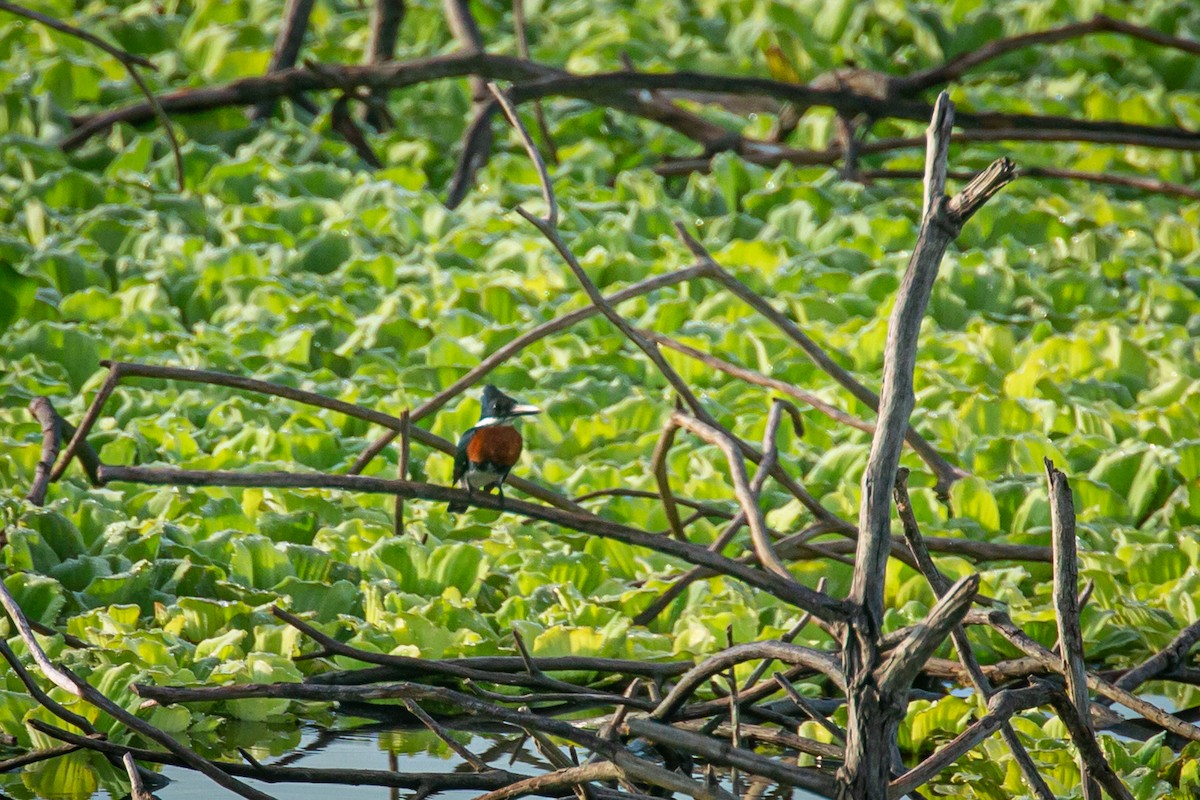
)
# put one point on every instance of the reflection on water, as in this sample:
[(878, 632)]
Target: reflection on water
[(375, 747)]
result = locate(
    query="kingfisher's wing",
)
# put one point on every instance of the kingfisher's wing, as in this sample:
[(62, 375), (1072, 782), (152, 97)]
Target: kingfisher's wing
[(460, 456)]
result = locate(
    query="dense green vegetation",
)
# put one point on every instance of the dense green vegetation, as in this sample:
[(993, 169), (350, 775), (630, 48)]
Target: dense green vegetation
[(1066, 324)]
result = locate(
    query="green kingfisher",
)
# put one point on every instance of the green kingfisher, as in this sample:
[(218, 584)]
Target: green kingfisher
[(488, 451)]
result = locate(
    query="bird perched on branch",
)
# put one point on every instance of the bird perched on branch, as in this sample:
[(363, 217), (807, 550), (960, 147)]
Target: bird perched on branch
[(488, 451)]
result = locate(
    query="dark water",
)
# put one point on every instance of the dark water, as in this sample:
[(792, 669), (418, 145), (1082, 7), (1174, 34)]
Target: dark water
[(364, 748)]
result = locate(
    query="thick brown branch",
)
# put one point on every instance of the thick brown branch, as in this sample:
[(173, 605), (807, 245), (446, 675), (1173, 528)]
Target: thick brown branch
[(1163, 661), (902, 666), (619, 90), (820, 605)]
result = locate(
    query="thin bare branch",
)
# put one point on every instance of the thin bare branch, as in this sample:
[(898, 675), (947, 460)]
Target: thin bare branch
[(137, 791), (816, 660), (402, 467), (945, 472), (1090, 753), (477, 139), (429, 722), (1001, 707), (510, 112), (43, 411), (748, 499), (539, 113), (342, 123), (1003, 625), (956, 67), (36, 756), (1163, 661), (658, 466), (809, 710), (515, 346)]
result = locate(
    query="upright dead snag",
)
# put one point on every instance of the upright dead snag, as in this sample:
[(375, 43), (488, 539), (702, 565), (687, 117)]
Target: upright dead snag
[(877, 688)]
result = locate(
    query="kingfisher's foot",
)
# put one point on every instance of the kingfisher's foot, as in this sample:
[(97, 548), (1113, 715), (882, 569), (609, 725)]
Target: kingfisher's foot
[(458, 506)]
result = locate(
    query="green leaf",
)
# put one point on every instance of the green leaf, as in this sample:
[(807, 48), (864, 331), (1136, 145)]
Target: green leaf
[(972, 498)]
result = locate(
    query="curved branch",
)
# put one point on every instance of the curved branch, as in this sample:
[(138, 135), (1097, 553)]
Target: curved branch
[(954, 68), (816, 660)]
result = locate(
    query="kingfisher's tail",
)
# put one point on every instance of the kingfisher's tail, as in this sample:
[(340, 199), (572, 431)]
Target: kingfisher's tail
[(456, 506)]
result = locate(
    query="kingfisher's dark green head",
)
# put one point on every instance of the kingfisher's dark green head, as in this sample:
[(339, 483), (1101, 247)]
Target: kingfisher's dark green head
[(498, 408)]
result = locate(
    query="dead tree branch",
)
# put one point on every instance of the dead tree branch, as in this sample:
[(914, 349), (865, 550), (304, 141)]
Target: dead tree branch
[(956, 67), (720, 753), (1161, 662), (43, 411), (518, 344), (747, 498), (871, 702)]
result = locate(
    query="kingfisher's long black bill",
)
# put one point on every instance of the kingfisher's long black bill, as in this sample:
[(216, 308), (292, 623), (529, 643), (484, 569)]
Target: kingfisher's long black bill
[(522, 410), (516, 411)]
